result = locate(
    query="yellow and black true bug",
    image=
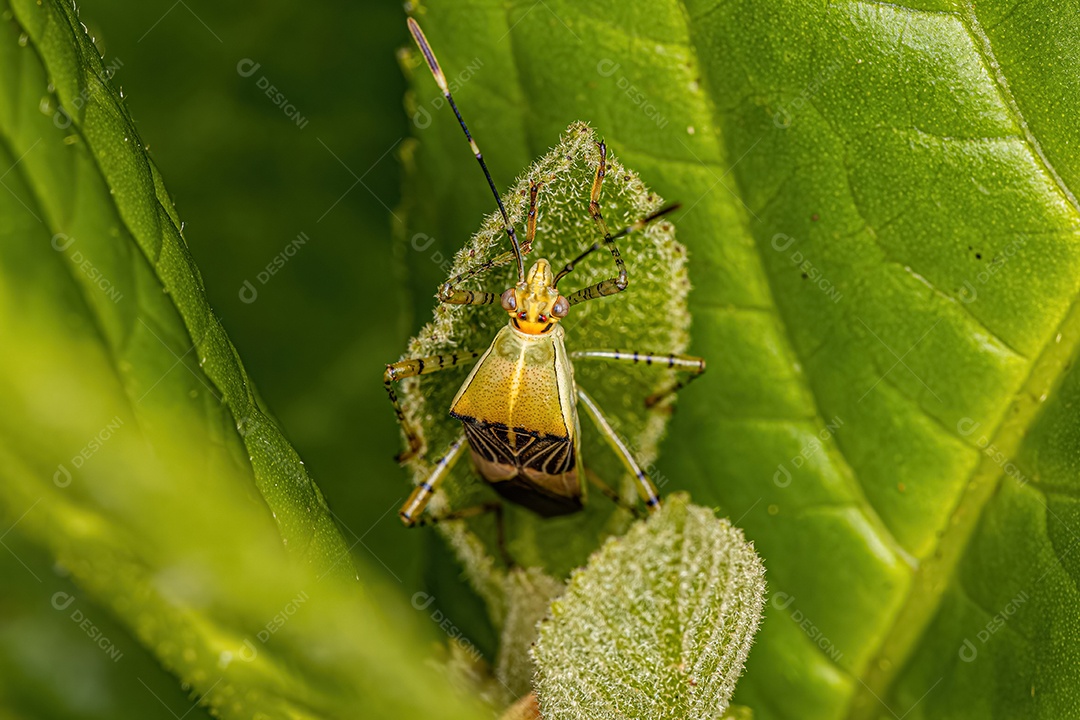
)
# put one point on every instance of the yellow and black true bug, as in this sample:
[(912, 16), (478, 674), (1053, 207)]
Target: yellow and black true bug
[(519, 405)]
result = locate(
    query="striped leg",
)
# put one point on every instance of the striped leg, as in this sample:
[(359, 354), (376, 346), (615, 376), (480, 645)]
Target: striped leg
[(618, 283), (410, 368), (594, 291), (594, 201), (646, 489), (612, 285), (449, 293), (412, 512), (530, 227), (682, 363), (421, 495), (527, 707)]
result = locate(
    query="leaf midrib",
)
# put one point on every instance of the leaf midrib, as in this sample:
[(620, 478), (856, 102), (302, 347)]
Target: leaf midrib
[(926, 592), (859, 499), (970, 20)]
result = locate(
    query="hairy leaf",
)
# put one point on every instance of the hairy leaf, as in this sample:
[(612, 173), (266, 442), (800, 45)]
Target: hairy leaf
[(650, 318), (657, 625)]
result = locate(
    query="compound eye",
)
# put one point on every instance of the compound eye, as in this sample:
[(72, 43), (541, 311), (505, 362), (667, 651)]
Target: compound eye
[(560, 308), (509, 300)]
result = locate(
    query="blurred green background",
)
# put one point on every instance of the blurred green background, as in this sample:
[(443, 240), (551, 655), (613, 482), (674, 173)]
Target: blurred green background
[(247, 179)]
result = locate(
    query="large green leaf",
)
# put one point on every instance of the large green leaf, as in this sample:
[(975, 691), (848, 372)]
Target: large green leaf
[(885, 253), (132, 445)]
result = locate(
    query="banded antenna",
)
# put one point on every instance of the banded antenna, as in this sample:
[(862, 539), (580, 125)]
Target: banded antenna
[(433, 65)]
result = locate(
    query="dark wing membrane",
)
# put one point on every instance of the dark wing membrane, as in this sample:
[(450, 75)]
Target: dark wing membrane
[(488, 445), (520, 448), (535, 472), (538, 498), (549, 456)]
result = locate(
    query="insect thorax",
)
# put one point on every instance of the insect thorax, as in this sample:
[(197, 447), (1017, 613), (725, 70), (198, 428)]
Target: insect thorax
[(520, 417)]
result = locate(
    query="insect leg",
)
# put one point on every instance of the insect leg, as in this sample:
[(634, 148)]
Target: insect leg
[(691, 364), (619, 282), (609, 492), (530, 227), (493, 506), (411, 511), (410, 368), (526, 708), (594, 202), (611, 285), (646, 489), (448, 292)]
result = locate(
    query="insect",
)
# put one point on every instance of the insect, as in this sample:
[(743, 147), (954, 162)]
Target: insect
[(518, 407)]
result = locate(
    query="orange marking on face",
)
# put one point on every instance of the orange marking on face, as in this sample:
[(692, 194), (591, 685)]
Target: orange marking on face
[(532, 328)]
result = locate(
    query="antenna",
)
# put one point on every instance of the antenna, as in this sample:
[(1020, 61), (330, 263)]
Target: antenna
[(433, 65)]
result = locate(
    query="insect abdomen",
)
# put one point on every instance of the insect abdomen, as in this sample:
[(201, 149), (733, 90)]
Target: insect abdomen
[(539, 473)]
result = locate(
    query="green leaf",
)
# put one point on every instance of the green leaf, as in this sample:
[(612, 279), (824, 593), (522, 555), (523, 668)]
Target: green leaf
[(654, 319), (657, 625), (528, 594), (882, 227), (132, 445), (63, 656)]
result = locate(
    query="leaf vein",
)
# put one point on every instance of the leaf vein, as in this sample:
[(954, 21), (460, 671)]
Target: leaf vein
[(836, 455)]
